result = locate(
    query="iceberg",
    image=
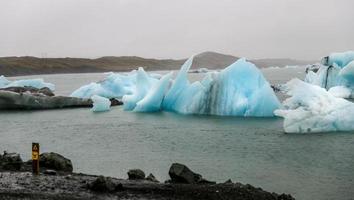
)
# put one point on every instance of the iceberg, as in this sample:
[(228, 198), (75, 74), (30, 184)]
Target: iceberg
[(339, 59), (100, 104), (312, 109), (115, 85), (338, 70), (143, 85), (36, 83), (238, 90), (3, 81), (153, 99)]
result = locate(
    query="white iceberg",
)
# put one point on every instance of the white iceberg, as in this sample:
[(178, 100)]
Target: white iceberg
[(100, 104), (312, 109), (238, 90), (115, 85), (36, 83)]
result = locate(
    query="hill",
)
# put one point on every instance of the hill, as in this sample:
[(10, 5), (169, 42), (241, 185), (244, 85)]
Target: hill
[(15, 66)]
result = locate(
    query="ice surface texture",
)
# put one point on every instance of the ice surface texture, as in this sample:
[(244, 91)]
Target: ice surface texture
[(312, 109), (113, 86), (339, 59), (100, 104), (238, 90), (338, 70), (36, 83)]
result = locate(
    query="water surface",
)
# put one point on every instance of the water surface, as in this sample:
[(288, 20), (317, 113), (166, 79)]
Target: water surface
[(248, 150)]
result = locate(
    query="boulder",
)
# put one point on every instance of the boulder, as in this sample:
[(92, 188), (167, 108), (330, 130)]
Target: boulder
[(102, 184), (55, 161), (116, 102), (151, 178), (136, 174), (10, 161), (28, 101), (180, 173)]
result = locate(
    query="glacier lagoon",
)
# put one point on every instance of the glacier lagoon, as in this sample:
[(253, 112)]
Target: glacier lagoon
[(252, 150)]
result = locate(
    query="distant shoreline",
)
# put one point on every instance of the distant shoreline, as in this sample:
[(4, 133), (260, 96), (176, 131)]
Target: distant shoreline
[(22, 66)]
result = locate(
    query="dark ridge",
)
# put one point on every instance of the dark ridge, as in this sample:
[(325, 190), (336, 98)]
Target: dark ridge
[(27, 65)]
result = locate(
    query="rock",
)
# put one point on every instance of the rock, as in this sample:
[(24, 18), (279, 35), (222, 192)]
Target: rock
[(116, 102), (55, 161), (285, 197), (152, 178), (11, 161), (136, 174), (28, 89), (180, 173), (229, 181), (204, 181), (50, 172), (102, 184), (28, 101)]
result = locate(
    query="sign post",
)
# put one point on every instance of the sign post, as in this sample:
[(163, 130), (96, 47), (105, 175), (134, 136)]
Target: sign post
[(35, 158)]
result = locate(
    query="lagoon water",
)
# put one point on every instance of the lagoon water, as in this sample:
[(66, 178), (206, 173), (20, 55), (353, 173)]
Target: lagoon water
[(248, 150)]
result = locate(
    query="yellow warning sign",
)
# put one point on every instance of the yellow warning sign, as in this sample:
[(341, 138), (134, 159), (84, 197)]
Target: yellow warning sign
[(35, 151)]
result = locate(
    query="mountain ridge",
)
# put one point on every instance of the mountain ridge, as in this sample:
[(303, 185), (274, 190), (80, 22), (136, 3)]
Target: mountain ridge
[(29, 65)]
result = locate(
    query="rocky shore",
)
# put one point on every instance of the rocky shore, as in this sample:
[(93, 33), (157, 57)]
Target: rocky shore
[(57, 181)]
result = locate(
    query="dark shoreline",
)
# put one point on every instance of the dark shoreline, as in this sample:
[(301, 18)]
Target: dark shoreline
[(56, 180)]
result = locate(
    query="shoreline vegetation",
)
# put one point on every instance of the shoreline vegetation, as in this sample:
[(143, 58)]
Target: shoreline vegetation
[(57, 181), (27, 65)]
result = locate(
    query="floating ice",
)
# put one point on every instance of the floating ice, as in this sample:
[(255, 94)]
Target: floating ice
[(347, 73), (3, 81), (36, 83), (113, 86), (338, 71), (100, 104), (143, 85), (238, 90), (153, 99), (339, 59), (340, 91), (312, 109)]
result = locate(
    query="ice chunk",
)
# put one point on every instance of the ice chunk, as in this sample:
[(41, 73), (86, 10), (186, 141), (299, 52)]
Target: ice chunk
[(238, 90), (153, 99), (312, 109), (347, 73), (339, 59), (100, 104), (180, 83), (3, 81), (115, 85), (143, 84), (339, 72), (36, 83), (340, 91)]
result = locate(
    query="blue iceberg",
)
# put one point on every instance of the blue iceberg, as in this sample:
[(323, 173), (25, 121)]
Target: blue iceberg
[(337, 71), (238, 90)]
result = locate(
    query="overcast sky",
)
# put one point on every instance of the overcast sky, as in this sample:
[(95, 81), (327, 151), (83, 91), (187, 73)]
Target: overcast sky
[(301, 29)]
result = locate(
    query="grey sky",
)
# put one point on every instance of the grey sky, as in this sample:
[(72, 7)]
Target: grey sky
[(302, 29)]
